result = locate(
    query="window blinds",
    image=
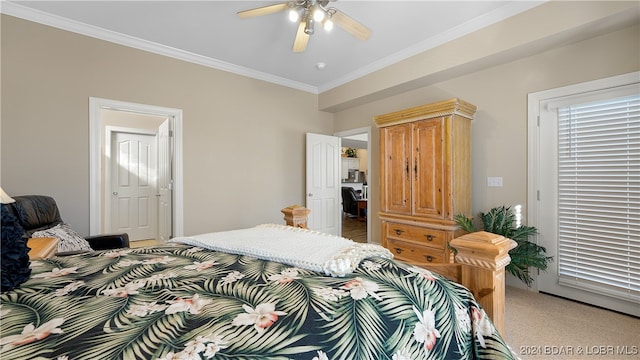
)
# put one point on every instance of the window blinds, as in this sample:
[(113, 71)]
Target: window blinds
[(599, 196)]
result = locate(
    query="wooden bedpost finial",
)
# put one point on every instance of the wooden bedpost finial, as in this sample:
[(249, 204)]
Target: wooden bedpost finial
[(485, 254), (483, 249), (296, 215)]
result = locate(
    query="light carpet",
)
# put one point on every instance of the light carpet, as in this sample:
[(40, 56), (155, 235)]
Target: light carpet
[(541, 326)]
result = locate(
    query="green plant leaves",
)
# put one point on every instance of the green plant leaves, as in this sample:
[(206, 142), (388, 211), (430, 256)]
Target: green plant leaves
[(501, 220)]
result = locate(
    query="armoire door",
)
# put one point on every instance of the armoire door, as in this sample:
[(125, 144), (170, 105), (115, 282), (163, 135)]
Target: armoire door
[(395, 154), (428, 179)]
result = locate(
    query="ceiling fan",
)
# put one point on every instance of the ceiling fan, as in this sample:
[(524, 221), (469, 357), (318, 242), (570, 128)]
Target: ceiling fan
[(307, 13)]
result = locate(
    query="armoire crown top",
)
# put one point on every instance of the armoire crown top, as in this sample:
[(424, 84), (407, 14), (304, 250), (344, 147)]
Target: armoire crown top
[(442, 108)]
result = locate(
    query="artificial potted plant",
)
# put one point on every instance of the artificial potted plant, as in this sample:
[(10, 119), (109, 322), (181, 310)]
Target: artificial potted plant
[(351, 152), (501, 220)]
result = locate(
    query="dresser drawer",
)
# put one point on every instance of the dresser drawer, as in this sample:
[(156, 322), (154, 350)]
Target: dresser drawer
[(411, 252), (425, 236)]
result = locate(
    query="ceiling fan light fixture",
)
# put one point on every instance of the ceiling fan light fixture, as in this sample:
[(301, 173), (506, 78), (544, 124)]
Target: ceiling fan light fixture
[(295, 13), (305, 13), (308, 29), (318, 13), (327, 24)]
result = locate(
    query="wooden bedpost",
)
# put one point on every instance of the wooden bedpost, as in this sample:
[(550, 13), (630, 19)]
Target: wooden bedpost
[(483, 257), (296, 215)]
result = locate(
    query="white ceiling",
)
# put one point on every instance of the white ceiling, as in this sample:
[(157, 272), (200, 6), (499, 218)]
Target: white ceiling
[(210, 33)]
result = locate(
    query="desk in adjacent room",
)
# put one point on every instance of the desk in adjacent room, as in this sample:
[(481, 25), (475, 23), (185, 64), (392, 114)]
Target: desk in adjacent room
[(362, 208)]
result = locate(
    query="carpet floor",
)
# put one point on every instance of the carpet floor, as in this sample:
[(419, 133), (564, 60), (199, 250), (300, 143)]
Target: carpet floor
[(541, 326)]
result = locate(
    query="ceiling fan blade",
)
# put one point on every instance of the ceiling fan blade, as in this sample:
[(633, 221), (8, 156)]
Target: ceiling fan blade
[(350, 25), (264, 10), (302, 38)]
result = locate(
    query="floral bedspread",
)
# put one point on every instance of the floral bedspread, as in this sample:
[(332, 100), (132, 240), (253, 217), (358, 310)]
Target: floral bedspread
[(184, 302)]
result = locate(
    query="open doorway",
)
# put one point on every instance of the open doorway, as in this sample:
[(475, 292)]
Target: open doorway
[(133, 176), (356, 162), (136, 168)]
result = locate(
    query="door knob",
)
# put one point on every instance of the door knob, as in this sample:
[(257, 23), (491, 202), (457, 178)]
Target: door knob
[(115, 193), (310, 195)]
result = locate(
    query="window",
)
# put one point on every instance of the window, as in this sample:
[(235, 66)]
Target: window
[(584, 190), (599, 195)]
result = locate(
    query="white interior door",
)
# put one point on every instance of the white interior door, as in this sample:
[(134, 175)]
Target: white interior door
[(323, 183), (133, 180), (164, 182)]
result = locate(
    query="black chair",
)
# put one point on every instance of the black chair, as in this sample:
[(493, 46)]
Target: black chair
[(39, 212), (350, 201)]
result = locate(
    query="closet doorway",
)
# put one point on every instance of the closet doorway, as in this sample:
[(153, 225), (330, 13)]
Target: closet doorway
[(132, 179), (111, 120), (355, 175)]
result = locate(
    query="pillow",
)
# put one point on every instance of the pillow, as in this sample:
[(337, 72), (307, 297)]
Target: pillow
[(69, 239), (15, 253)]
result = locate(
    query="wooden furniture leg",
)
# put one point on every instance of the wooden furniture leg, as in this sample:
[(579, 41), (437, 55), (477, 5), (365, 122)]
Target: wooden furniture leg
[(479, 266), (483, 257)]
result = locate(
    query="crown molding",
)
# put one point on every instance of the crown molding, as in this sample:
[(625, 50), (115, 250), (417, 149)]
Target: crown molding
[(510, 9), (26, 13)]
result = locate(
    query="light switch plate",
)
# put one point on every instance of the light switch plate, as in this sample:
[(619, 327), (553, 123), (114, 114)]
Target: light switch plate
[(494, 181)]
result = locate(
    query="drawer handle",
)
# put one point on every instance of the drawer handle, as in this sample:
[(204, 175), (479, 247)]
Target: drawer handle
[(398, 231), (398, 250), (429, 258), (430, 237)]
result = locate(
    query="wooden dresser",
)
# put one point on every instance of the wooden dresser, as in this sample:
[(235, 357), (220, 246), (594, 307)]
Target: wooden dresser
[(425, 178)]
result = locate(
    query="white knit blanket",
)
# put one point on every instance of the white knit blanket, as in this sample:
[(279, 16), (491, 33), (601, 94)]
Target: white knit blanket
[(302, 248)]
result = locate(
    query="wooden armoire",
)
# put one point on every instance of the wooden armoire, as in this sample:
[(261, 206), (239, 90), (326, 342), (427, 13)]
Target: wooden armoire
[(425, 178)]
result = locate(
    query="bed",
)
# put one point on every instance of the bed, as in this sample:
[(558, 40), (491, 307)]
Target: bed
[(192, 300)]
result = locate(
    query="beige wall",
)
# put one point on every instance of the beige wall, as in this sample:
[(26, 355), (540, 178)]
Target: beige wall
[(499, 130), (243, 138)]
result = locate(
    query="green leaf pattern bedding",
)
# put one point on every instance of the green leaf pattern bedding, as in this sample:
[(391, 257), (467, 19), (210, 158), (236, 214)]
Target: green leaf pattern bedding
[(185, 302)]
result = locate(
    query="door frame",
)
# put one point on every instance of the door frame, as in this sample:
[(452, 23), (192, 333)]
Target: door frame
[(110, 131), (371, 191), (96, 165)]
